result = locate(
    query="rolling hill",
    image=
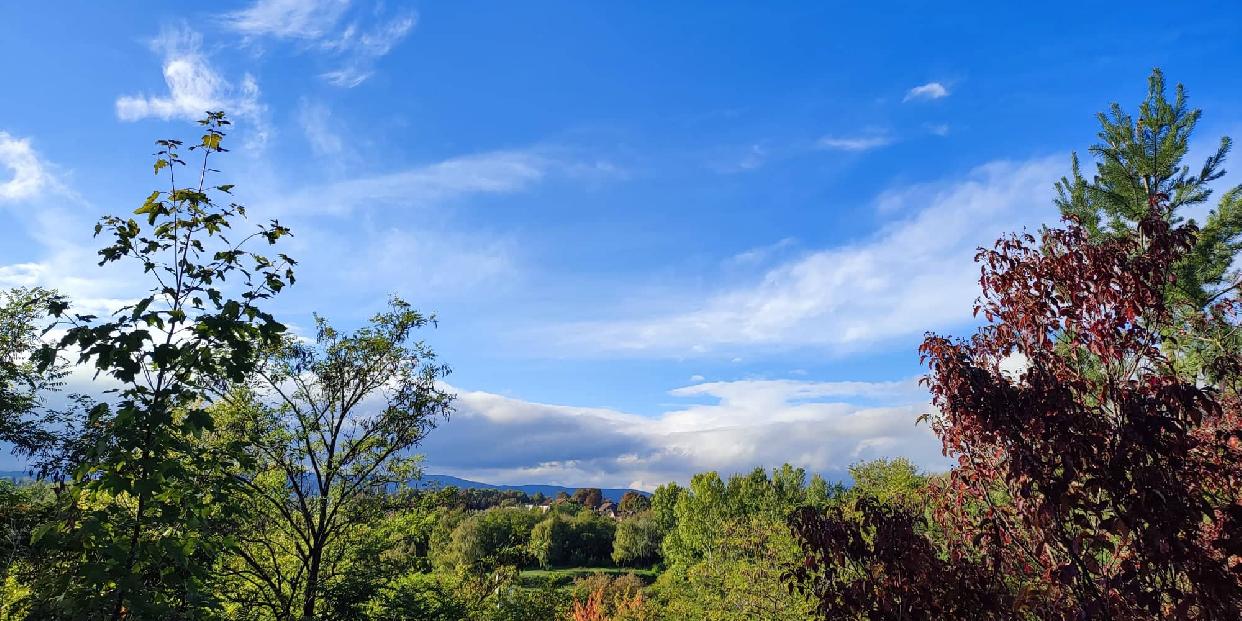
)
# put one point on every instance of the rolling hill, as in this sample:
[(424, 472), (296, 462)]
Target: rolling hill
[(444, 480)]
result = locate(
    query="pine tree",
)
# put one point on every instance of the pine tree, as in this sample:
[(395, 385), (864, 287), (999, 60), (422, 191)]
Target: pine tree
[(1139, 163)]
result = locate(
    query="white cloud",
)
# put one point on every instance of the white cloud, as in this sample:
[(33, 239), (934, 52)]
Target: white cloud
[(854, 143), (823, 426), (494, 172), (194, 87), (63, 254), (405, 237), (924, 92), (939, 129), (427, 263), (761, 254), (29, 175), (360, 49), (353, 47), (915, 274), (69, 266), (317, 124), (288, 19)]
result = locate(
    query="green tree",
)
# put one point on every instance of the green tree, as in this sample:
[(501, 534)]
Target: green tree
[(53, 441), (22, 384), (22, 508), (137, 512), (491, 539), (1138, 161), (742, 581), (727, 551), (550, 540), (637, 541), (418, 596), (891, 481), (664, 505), (820, 494), (592, 539), (582, 540), (699, 514), (1139, 164), (330, 424)]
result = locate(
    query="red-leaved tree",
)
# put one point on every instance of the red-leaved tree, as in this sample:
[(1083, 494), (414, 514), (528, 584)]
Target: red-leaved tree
[(1093, 480)]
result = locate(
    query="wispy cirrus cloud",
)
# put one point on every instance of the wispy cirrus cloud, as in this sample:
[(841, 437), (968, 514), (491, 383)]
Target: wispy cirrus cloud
[(433, 261), (351, 41), (318, 127), (194, 87), (360, 47), (493, 172), (371, 234), (926, 92), (914, 274), (738, 425), (503, 171), (865, 142), (288, 19)]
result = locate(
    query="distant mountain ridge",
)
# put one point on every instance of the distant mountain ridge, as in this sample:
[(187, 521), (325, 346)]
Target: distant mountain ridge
[(16, 476), (444, 480), (432, 481)]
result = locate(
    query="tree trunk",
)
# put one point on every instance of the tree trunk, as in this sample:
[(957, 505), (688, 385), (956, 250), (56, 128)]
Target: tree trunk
[(312, 584)]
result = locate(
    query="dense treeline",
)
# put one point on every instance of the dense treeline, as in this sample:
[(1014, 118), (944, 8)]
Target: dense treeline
[(237, 471)]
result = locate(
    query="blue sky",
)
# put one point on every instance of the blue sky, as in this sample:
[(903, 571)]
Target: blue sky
[(660, 237)]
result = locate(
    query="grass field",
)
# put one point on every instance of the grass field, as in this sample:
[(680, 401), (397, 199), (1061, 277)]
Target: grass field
[(568, 575)]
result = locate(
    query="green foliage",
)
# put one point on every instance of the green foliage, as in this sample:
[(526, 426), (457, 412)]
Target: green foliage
[(728, 546), (820, 494), (483, 596), (539, 602), (742, 580), (637, 541), (22, 509), (478, 499), (135, 537), (53, 441), (1139, 162), (664, 505), (582, 540), (550, 540), (592, 539), (891, 481), (491, 539), (418, 596), (21, 382), (329, 425), (700, 514), (566, 576)]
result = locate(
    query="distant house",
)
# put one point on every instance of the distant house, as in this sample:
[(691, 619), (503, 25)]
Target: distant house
[(608, 509)]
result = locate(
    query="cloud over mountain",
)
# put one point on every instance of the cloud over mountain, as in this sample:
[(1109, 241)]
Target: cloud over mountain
[(735, 426)]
